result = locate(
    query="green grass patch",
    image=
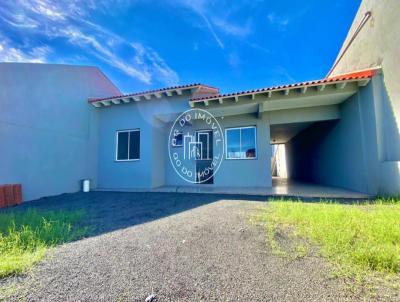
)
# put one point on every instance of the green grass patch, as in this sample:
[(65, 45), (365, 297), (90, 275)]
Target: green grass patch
[(26, 235), (359, 238)]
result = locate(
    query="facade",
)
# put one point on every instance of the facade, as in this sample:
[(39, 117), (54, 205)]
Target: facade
[(60, 124), (328, 127)]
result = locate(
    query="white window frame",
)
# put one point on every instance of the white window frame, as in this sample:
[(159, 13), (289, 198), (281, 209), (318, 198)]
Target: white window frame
[(240, 139), (129, 138)]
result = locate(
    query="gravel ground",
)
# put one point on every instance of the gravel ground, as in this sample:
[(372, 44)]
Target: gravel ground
[(181, 247)]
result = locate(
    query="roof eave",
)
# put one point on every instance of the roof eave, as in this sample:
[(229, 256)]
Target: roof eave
[(282, 91), (155, 94)]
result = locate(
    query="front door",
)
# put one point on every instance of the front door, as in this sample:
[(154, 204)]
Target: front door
[(204, 157)]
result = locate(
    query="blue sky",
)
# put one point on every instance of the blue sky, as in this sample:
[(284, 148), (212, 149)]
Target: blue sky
[(140, 45)]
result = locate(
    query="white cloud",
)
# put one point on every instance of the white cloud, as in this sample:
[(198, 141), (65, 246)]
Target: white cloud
[(199, 7), (158, 65), (211, 28), (9, 53), (78, 38), (45, 8), (216, 21), (232, 29), (281, 22), (19, 21), (70, 22)]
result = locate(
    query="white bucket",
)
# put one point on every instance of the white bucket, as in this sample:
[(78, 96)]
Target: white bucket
[(86, 185)]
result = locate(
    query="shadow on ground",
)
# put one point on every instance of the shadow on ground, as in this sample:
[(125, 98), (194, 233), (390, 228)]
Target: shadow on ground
[(111, 211)]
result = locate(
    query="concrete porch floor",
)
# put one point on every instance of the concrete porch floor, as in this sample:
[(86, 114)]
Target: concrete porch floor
[(284, 186), (280, 187)]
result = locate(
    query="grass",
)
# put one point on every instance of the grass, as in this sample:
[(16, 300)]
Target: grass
[(26, 235), (360, 238)]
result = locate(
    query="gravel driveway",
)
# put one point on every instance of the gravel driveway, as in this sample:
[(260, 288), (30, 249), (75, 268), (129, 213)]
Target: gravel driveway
[(181, 247)]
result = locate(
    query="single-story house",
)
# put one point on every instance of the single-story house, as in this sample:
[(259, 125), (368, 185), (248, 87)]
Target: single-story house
[(60, 124), (328, 127)]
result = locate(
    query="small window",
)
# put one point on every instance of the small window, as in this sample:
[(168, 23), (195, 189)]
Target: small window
[(241, 143), (177, 140), (128, 145)]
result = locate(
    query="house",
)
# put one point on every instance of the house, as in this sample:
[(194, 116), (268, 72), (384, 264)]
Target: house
[(326, 125), (61, 124)]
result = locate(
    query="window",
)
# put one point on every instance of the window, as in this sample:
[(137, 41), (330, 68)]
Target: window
[(241, 143), (128, 145), (177, 141)]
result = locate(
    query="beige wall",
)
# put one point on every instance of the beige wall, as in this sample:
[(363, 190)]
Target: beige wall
[(378, 44)]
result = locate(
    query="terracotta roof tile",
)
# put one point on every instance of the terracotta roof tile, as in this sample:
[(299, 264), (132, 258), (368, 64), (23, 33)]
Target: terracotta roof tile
[(350, 76), (156, 91)]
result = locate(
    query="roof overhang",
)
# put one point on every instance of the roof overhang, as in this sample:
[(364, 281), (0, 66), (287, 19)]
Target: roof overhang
[(309, 94), (191, 89)]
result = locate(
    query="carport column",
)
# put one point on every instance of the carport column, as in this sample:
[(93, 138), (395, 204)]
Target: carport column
[(264, 150), (369, 99)]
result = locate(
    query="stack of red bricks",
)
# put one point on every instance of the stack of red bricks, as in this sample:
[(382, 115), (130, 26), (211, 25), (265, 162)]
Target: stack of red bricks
[(10, 195)]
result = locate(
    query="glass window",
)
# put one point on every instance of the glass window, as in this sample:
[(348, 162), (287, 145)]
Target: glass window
[(248, 142), (233, 143), (134, 144), (128, 145), (122, 149), (204, 137), (177, 141), (241, 143)]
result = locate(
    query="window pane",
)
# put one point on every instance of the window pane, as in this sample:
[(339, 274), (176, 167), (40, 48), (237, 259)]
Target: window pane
[(206, 146), (233, 143), (178, 139), (122, 146), (248, 142), (134, 145)]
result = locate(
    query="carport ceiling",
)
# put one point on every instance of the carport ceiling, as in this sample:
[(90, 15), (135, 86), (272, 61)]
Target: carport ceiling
[(282, 133)]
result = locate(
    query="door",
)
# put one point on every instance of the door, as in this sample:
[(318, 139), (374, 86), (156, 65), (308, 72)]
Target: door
[(204, 171)]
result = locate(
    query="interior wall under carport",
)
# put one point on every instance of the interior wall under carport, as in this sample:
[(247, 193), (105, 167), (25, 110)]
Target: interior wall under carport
[(339, 153)]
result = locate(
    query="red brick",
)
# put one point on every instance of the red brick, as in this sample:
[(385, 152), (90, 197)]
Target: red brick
[(9, 193), (2, 197), (17, 193)]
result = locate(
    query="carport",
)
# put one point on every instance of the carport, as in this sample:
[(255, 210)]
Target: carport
[(320, 124)]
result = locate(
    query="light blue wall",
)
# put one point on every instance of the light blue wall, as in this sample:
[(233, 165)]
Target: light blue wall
[(150, 170), (238, 172), (48, 133), (346, 153), (388, 138), (247, 172), (159, 156), (113, 174), (332, 153), (154, 168)]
